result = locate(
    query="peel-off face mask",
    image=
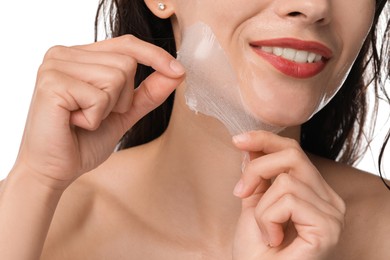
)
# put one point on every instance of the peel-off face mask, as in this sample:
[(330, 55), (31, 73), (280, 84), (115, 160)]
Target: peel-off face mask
[(238, 99), (212, 87), (243, 77)]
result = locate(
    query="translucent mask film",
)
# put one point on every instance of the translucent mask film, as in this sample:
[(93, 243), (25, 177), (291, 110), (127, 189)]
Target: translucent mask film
[(212, 87)]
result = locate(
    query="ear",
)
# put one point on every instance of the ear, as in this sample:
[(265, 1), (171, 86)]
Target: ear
[(161, 8)]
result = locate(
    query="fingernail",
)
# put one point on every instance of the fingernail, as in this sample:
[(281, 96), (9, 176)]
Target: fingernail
[(238, 188), (241, 138), (177, 67), (266, 240)]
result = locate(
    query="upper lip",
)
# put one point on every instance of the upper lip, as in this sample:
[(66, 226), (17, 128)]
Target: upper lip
[(310, 46)]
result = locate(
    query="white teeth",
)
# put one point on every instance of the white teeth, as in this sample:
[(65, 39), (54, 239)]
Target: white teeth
[(298, 56), (278, 51), (301, 56), (267, 49), (311, 57), (318, 58), (289, 54)]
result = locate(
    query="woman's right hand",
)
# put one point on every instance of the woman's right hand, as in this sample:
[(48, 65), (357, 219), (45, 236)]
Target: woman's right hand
[(84, 101)]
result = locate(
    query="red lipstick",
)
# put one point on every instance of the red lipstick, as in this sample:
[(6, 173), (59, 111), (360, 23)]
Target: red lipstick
[(279, 52)]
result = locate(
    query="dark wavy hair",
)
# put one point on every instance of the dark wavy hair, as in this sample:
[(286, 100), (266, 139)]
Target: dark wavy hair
[(337, 132)]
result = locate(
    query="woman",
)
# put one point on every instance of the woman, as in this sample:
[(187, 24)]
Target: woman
[(170, 196)]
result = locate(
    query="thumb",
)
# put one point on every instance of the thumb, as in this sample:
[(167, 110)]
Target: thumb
[(150, 94)]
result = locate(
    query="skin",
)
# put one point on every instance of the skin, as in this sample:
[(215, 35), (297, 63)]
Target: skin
[(326, 22), (69, 197)]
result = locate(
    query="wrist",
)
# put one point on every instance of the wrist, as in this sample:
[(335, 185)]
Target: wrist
[(27, 206), (25, 175)]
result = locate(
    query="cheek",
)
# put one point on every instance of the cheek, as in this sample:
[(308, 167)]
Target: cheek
[(353, 27), (282, 101), (216, 13), (352, 34), (276, 98), (279, 101)]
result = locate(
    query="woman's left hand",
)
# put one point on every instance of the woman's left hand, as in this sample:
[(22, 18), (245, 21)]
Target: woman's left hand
[(288, 210)]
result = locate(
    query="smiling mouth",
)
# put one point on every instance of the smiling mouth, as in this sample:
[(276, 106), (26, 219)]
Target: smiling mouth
[(292, 57), (298, 56)]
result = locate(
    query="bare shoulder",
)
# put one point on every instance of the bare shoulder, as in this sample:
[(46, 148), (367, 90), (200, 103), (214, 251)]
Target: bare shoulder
[(367, 229), (72, 215), (99, 205)]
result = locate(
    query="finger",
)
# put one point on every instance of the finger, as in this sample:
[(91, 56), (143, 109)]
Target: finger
[(315, 227), (118, 84), (253, 200), (263, 141), (272, 166), (284, 156), (288, 161), (76, 55), (81, 104), (91, 104), (126, 64), (144, 52), (286, 184), (151, 93)]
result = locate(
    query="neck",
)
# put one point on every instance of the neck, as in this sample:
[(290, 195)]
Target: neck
[(199, 166)]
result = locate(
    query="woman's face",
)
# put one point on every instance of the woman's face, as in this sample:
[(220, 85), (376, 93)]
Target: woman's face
[(290, 56)]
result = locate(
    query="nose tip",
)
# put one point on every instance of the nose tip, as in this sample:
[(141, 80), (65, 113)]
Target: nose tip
[(308, 11)]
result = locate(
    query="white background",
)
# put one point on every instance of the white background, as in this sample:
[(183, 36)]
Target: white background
[(28, 29)]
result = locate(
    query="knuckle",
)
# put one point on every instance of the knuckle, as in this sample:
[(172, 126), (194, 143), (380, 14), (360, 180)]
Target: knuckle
[(47, 78), (288, 200), (94, 125), (128, 39), (54, 51), (47, 65), (41, 71), (293, 143), (128, 64), (103, 99), (116, 79), (284, 181), (295, 153)]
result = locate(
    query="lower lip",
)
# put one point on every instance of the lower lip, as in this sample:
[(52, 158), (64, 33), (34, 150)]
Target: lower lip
[(290, 68)]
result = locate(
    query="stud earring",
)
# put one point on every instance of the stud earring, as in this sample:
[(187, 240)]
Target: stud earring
[(161, 6)]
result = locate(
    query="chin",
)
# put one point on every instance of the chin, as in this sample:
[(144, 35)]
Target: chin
[(286, 117)]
